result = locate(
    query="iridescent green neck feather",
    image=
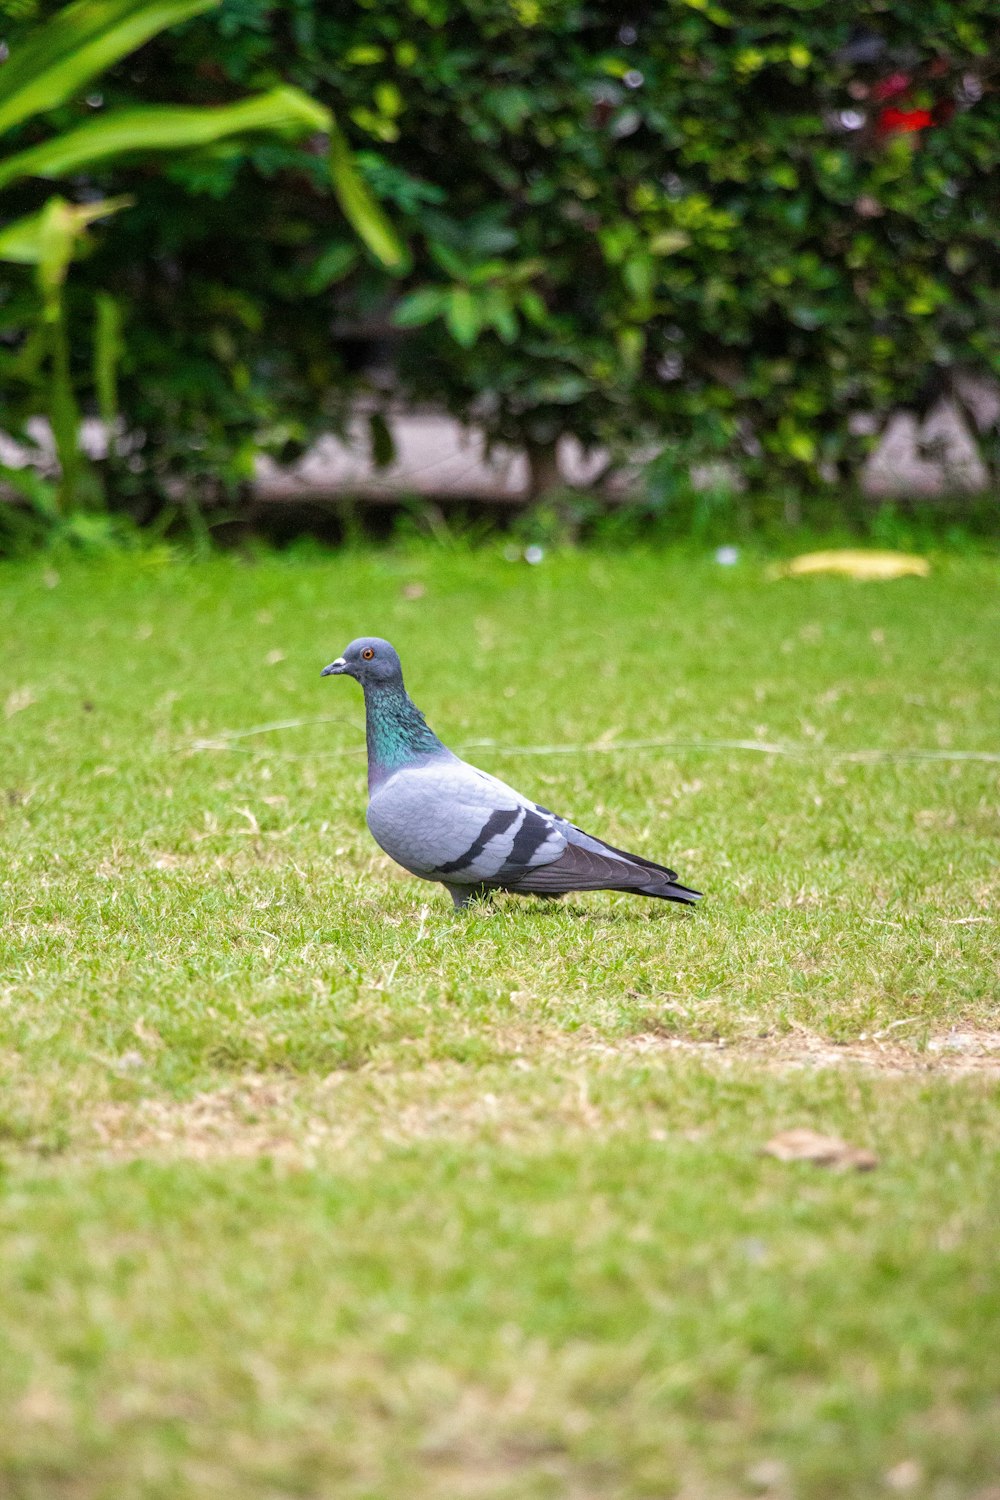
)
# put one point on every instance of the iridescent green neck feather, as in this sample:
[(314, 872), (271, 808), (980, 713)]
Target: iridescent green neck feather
[(396, 731)]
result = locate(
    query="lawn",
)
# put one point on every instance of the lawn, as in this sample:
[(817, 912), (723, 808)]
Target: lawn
[(311, 1188)]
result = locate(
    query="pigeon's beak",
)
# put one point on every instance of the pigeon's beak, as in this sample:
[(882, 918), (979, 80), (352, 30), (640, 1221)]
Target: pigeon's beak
[(335, 669)]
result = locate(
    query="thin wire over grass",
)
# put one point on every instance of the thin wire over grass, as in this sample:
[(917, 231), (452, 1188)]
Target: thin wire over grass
[(224, 738)]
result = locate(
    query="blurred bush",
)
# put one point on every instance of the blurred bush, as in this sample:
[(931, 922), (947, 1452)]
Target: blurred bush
[(724, 228)]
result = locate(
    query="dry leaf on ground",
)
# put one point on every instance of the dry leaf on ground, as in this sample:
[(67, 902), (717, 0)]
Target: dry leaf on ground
[(803, 1144), (905, 1475), (17, 701), (854, 563)]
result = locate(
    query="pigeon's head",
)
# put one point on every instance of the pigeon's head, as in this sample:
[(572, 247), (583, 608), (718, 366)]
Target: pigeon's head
[(369, 660)]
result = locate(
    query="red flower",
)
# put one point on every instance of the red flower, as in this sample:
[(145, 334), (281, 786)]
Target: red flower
[(903, 121), (888, 88)]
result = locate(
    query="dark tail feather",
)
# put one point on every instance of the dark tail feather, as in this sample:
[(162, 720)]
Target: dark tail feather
[(672, 892), (579, 869), (677, 892)]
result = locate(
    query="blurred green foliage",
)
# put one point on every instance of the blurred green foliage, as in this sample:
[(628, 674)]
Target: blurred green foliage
[(723, 228), (53, 60)]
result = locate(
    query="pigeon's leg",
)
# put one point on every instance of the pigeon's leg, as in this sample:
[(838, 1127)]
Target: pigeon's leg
[(464, 895)]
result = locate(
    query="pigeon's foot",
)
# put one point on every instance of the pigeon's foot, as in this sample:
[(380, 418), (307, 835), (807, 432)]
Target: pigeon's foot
[(464, 895)]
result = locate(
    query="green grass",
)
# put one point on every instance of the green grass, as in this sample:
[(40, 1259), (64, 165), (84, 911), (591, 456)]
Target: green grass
[(310, 1188)]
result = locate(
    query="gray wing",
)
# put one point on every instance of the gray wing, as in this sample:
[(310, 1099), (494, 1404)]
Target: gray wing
[(447, 821), (589, 864), (581, 840)]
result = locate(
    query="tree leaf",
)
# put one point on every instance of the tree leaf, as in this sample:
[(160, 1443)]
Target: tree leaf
[(669, 242), (533, 306), (498, 310), (462, 315), (420, 307), (451, 263), (639, 274), (333, 264), (486, 271), (631, 346)]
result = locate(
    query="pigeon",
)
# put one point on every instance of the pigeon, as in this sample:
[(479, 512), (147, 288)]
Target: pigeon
[(443, 820)]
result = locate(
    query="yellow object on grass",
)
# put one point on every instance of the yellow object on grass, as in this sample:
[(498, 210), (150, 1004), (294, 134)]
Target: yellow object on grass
[(852, 563)]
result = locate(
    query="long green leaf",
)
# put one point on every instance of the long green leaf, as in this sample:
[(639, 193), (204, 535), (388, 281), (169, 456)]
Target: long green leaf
[(165, 127), (60, 58), (21, 242), (332, 265), (63, 412), (108, 350), (59, 230), (25, 241), (360, 208)]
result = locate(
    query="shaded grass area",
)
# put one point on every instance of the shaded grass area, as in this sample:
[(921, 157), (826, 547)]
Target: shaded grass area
[(312, 1188), (609, 1313)]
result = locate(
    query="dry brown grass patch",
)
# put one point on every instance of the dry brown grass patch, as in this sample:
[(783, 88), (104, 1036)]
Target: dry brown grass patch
[(526, 1098)]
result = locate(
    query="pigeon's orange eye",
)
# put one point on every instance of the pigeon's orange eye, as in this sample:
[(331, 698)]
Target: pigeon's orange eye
[(368, 653)]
